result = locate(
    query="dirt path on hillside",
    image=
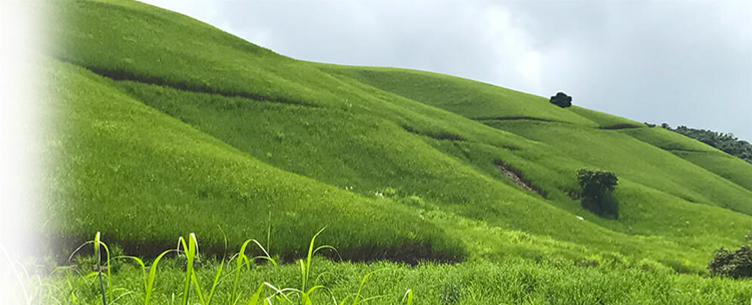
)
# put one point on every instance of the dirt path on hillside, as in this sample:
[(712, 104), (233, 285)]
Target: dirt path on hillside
[(516, 176)]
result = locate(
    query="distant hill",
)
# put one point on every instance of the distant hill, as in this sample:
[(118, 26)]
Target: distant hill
[(724, 141), (168, 125)]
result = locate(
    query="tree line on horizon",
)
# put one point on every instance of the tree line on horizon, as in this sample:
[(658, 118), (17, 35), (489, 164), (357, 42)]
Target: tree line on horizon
[(726, 142)]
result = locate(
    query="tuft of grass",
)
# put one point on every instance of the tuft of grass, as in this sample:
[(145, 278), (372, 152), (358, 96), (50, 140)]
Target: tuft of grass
[(241, 260), (97, 244), (408, 298), (190, 251), (192, 291)]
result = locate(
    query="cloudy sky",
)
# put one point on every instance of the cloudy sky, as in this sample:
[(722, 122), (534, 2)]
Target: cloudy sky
[(684, 63)]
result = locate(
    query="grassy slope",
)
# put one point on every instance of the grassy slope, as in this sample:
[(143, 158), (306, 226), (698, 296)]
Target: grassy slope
[(241, 108), (641, 214), (512, 281), (722, 164), (655, 171), (604, 120), (631, 160), (140, 177), (605, 149), (372, 156), (705, 156), (465, 97)]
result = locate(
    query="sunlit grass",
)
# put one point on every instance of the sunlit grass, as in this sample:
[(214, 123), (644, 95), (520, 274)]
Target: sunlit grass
[(193, 289), (167, 126), (173, 141), (546, 281)]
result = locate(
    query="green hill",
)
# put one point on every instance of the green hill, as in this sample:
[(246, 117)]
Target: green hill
[(168, 126)]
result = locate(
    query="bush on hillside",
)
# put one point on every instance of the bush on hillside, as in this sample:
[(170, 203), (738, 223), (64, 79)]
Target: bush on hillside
[(561, 99), (736, 264), (595, 192), (726, 142)]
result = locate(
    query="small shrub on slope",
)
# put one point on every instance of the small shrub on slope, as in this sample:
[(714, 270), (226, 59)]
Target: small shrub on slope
[(561, 99), (736, 264), (596, 187)]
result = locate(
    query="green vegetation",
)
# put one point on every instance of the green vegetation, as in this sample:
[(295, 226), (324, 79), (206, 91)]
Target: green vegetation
[(596, 187), (605, 120), (723, 141), (722, 164), (562, 100), (467, 98), (736, 264), (213, 188), (165, 125), (608, 279), (508, 282)]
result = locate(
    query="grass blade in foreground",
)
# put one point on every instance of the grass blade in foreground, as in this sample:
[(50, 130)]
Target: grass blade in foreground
[(99, 267), (152, 276), (408, 297), (190, 255)]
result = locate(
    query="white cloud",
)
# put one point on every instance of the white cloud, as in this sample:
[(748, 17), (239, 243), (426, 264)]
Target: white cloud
[(681, 63)]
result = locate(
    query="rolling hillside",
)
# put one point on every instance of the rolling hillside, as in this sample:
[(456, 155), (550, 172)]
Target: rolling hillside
[(168, 126)]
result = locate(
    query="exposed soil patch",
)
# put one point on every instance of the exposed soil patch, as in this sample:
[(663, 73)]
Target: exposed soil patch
[(517, 177), (619, 126)]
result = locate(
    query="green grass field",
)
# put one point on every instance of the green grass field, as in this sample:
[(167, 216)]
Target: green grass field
[(514, 281), (166, 126)]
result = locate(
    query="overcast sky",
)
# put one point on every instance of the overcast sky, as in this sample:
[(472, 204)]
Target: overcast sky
[(683, 63)]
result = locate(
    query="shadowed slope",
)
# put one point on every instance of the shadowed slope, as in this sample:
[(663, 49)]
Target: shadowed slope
[(142, 178)]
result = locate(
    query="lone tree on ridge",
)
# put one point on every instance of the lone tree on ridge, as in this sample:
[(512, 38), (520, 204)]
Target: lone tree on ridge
[(561, 99)]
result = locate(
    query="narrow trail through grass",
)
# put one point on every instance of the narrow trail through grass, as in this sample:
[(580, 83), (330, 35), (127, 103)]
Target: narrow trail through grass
[(123, 75), (620, 126), (513, 118)]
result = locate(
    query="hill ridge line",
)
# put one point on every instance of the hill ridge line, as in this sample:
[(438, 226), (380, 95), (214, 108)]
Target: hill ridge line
[(122, 75), (512, 118), (529, 118), (620, 126)]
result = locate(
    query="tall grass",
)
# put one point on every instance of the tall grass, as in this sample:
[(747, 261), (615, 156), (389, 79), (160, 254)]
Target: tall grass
[(150, 276), (194, 290), (515, 281), (19, 285), (97, 244)]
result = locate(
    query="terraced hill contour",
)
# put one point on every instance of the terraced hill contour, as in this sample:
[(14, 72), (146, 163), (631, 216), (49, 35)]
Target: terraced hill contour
[(168, 126)]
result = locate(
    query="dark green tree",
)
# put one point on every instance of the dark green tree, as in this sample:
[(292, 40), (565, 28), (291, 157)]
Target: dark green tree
[(726, 142), (561, 99), (736, 264), (595, 191)]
